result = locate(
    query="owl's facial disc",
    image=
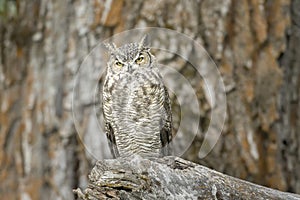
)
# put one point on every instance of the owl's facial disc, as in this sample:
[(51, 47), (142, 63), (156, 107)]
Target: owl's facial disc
[(140, 60)]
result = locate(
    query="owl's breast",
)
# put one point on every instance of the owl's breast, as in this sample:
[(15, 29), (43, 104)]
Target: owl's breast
[(138, 108), (138, 96)]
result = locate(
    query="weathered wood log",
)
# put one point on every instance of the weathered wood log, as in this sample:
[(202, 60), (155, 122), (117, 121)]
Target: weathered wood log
[(168, 178)]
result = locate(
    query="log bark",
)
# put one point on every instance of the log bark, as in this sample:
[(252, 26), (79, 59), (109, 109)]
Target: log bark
[(168, 178)]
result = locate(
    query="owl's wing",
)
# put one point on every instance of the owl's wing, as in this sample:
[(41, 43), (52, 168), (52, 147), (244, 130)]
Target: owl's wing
[(111, 140), (108, 122), (166, 131)]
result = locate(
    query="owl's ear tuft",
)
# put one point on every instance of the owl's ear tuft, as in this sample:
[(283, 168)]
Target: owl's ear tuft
[(111, 47), (144, 43)]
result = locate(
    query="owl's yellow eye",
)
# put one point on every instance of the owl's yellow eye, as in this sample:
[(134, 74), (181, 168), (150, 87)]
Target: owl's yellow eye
[(140, 59), (119, 64)]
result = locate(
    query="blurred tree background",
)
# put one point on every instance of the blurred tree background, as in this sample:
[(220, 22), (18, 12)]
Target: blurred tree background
[(255, 44)]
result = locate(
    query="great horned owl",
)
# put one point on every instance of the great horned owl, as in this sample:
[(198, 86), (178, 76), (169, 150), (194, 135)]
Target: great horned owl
[(136, 103)]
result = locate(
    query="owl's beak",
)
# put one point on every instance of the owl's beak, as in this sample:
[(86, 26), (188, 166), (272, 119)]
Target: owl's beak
[(129, 69)]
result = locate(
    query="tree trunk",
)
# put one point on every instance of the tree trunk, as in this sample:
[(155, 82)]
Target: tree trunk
[(45, 152)]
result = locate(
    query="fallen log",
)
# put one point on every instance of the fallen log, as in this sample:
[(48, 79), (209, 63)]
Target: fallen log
[(168, 178)]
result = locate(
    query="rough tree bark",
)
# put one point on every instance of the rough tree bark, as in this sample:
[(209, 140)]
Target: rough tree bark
[(255, 44), (169, 178)]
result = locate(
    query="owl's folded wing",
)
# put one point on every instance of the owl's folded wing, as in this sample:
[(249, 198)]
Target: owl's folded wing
[(108, 122), (111, 140), (166, 131)]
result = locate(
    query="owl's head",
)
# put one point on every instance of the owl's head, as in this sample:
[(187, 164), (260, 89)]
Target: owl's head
[(129, 57)]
